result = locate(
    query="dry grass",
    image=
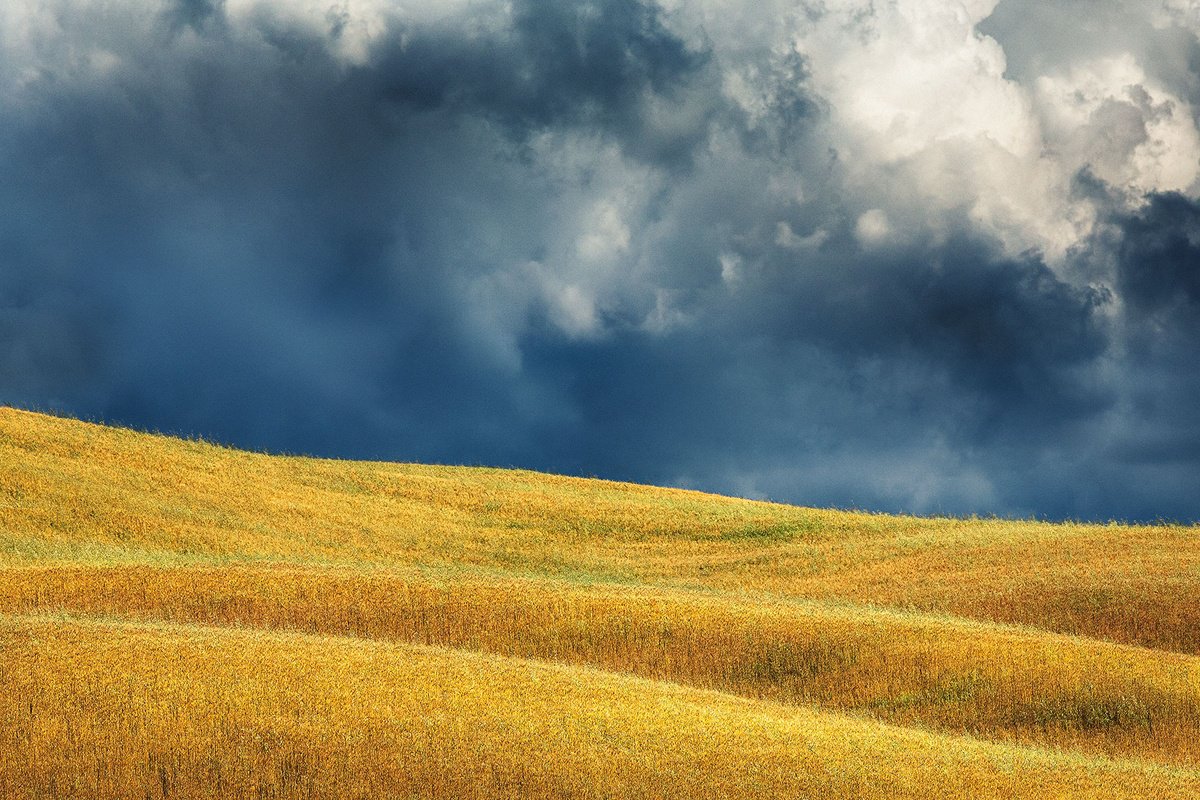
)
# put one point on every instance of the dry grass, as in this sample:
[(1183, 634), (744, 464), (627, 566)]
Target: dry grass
[(944, 673), (823, 612), (74, 492), (96, 709)]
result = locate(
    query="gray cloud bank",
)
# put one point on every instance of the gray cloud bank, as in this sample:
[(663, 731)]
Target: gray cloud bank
[(912, 256)]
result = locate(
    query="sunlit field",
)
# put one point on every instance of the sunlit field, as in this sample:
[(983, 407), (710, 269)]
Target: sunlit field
[(184, 620)]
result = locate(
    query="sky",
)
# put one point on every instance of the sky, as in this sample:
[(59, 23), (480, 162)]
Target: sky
[(901, 255)]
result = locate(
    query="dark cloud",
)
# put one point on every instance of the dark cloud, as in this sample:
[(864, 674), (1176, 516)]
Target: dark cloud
[(193, 13), (1159, 257), (572, 237), (1158, 275), (864, 371), (610, 66), (253, 239)]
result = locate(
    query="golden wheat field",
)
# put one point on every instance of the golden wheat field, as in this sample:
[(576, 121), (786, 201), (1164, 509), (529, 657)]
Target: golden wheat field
[(179, 619)]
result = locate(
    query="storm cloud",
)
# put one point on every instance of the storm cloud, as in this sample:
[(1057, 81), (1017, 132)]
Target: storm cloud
[(906, 256)]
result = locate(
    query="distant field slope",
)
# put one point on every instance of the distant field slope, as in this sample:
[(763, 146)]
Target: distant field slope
[(184, 620)]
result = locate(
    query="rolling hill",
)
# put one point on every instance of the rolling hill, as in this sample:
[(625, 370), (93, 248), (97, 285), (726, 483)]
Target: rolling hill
[(179, 619)]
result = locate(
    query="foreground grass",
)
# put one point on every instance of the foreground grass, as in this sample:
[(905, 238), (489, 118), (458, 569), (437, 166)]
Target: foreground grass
[(1079, 640), (945, 673), (119, 709)]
